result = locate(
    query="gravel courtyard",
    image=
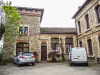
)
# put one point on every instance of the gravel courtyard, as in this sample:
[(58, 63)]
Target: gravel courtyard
[(50, 69)]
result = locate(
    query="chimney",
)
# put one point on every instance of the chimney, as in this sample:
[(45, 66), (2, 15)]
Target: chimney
[(79, 7)]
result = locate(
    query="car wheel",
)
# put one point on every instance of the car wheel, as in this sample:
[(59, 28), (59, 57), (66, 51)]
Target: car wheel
[(14, 63), (18, 64), (33, 64)]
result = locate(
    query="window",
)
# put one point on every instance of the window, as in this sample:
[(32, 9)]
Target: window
[(68, 44), (97, 9), (55, 44), (80, 43), (79, 26), (90, 47), (23, 30), (87, 21), (22, 47)]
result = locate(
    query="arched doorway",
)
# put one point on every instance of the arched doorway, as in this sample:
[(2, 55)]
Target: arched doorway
[(22, 47), (43, 51)]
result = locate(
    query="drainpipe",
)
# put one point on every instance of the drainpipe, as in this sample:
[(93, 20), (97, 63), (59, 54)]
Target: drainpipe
[(76, 33)]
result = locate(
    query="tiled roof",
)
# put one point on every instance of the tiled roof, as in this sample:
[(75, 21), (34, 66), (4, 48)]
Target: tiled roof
[(47, 30), (81, 8)]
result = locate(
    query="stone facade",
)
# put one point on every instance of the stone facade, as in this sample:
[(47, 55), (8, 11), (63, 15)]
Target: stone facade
[(32, 18), (94, 30), (46, 38)]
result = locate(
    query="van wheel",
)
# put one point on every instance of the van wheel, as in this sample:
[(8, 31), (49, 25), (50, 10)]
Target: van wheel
[(71, 64), (86, 64)]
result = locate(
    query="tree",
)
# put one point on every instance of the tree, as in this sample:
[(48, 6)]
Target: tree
[(62, 50), (13, 20)]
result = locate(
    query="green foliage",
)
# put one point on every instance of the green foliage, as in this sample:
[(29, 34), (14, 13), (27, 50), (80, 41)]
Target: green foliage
[(13, 20)]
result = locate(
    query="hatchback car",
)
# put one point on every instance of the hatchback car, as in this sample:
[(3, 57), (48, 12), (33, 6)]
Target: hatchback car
[(24, 58)]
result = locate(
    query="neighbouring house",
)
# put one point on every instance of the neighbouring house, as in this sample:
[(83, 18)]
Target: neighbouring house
[(51, 38), (87, 20)]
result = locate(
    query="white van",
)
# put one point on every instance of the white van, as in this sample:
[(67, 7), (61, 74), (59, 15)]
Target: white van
[(78, 56)]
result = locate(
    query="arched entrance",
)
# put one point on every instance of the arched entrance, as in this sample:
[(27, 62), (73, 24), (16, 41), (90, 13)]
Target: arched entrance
[(22, 47), (43, 51)]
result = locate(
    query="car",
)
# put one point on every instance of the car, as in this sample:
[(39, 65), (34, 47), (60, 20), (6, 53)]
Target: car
[(24, 58), (78, 56)]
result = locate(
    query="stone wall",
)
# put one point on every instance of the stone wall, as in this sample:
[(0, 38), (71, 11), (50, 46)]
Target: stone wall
[(47, 39)]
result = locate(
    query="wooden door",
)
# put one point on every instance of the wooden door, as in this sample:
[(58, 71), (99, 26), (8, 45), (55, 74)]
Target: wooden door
[(90, 47), (44, 52)]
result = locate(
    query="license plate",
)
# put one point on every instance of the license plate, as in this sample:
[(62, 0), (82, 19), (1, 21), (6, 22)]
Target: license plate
[(28, 58), (76, 58)]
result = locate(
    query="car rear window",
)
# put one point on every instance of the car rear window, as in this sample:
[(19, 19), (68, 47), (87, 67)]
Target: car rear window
[(27, 53)]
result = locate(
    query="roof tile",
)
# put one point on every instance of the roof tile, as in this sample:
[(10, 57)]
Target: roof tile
[(47, 30)]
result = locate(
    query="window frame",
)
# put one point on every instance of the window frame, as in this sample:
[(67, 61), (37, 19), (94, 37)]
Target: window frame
[(80, 43), (22, 47), (79, 27), (87, 21), (68, 44), (23, 33), (90, 49), (56, 45), (96, 14)]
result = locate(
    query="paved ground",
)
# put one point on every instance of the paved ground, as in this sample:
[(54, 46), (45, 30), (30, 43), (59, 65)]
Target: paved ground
[(50, 69)]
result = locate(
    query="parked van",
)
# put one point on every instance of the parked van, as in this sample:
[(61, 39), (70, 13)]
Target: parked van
[(78, 56)]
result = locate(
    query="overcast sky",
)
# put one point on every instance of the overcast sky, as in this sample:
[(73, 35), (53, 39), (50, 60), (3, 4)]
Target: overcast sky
[(57, 13)]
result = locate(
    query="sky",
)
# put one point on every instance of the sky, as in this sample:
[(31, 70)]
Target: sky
[(57, 13)]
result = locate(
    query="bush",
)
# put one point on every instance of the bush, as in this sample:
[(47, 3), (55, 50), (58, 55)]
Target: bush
[(36, 56), (53, 56)]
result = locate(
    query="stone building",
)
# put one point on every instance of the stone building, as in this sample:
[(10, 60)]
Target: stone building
[(29, 39), (41, 40), (51, 39), (29, 32), (87, 20)]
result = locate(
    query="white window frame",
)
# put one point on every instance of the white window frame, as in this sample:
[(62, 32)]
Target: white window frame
[(25, 26)]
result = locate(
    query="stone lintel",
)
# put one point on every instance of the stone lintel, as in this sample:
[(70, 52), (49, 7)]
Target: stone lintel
[(22, 40)]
